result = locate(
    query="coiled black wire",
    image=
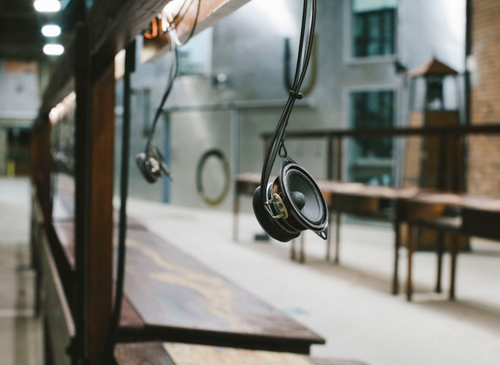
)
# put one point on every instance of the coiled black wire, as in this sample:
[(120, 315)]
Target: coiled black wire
[(306, 43)]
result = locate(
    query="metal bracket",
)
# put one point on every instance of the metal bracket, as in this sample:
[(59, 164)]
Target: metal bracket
[(278, 203)]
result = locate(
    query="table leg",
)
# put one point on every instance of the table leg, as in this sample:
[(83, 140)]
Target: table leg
[(338, 217), (440, 249), (453, 277), (293, 255), (329, 240), (236, 212), (409, 280), (302, 249), (397, 246)]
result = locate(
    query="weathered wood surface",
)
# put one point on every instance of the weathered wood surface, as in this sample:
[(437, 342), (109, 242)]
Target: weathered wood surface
[(66, 235), (211, 11), (142, 354), (181, 354), (178, 299)]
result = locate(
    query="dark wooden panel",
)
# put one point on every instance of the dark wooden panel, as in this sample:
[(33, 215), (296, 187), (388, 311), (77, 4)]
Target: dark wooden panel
[(481, 223)]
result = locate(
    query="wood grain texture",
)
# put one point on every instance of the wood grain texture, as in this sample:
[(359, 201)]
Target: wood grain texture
[(142, 354), (180, 354), (211, 11), (173, 291), (195, 355)]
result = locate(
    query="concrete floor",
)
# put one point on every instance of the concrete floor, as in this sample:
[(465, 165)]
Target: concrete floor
[(350, 305), (20, 333)]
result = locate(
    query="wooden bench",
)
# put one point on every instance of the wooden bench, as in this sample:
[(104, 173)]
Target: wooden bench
[(181, 354)]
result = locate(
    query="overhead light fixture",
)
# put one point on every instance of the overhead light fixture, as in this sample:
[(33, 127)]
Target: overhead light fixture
[(51, 30), (53, 49), (47, 6)]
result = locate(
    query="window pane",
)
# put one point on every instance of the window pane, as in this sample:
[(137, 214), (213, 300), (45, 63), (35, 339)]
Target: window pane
[(373, 27), (370, 158)]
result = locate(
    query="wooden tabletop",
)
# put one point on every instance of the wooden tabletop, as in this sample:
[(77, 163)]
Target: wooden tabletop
[(172, 297), (179, 354), (343, 188), (180, 299)]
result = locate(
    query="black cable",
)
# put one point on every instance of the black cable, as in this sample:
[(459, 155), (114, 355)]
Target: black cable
[(303, 59), (124, 182), (174, 71)]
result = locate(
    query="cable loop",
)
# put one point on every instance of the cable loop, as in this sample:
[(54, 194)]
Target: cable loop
[(296, 95), (283, 151)]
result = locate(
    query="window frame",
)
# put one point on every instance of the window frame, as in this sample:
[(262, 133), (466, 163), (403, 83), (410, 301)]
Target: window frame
[(348, 39), (347, 117)]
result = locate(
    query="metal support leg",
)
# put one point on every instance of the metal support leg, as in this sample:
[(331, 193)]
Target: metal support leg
[(302, 249), (236, 213), (409, 281), (397, 246), (329, 240), (440, 249), (293, 254), (454, 253), (337, 238)]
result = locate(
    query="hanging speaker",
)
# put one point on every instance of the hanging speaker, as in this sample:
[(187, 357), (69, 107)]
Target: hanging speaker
[(152, 165), (293, 203), (149, 167)]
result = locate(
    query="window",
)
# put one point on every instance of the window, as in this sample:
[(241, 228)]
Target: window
[(373, 27), (371, 158)]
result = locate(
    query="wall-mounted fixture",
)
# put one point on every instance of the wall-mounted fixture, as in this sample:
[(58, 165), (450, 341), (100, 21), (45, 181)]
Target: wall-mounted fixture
[(51, 30), (47, 6)]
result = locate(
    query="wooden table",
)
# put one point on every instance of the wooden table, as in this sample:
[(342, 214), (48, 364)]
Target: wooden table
[(175, 298), (479, 217), (181, 354), (350, 198)]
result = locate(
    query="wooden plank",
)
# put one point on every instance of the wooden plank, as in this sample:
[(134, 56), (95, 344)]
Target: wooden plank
[(166, 354), (211, 11), (183, 301), (60, 322), (99, 202), (142, 353), (66, 235), (114, 24)]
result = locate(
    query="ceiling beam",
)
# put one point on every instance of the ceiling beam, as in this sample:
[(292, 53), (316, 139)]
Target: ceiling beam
[(211, 11), (114, 23)]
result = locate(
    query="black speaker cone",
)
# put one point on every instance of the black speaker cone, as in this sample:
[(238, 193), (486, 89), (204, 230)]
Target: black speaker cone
[(309, 209)]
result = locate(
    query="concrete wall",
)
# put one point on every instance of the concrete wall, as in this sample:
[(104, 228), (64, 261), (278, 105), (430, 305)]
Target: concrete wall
[(248, 47)]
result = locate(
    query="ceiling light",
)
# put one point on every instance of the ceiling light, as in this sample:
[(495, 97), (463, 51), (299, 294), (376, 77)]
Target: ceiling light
[(47, 6), (53, 49), (51, 30)]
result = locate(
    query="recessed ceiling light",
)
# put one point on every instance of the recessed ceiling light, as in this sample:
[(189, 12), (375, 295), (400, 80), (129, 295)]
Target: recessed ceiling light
[(47, 6), (53, 49), (51, 30)]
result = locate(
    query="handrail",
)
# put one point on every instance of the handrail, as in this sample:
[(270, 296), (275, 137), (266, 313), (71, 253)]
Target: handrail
[(489, 128)]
